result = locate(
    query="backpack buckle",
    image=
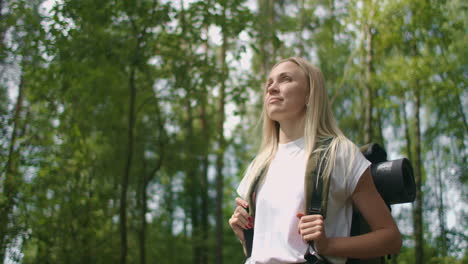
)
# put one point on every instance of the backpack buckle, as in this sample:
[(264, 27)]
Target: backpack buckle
[(315, 211)]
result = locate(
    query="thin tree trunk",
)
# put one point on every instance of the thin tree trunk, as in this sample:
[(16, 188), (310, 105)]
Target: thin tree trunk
[(272, 24), (221, 146), (204, 206), (263, 5), (441, 206), (87, 255), (205, 163), (146, 181), (380, 128), (10, 182), (170, 231), (1, 13), (465, 125), (417, 205), (143, 209), (266, 46), (368, 93), (128, 164), (300, 39), (407, 131), (192, 180), (3, 29)]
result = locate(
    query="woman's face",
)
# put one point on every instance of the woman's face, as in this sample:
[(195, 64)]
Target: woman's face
[(286, 92)]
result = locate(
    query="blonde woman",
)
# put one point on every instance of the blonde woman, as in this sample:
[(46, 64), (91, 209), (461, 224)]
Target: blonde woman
[(296, 115)]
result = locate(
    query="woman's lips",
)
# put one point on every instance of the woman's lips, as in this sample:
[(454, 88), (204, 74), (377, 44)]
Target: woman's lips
[(274, 100)]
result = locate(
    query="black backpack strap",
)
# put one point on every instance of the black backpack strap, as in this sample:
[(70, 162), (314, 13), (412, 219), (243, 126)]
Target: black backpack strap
[(252, 193), (316, 191), (251, 199), (316, 188)]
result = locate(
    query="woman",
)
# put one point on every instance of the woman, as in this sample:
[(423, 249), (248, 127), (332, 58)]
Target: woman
[(296, 115)]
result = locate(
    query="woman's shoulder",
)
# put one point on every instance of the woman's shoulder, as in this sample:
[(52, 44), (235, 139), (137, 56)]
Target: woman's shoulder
[(348, 154), (350, 163), (345, 146)]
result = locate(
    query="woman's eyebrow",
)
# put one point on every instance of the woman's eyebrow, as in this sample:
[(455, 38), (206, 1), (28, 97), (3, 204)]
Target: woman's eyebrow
[(280, 75), (285, 74)]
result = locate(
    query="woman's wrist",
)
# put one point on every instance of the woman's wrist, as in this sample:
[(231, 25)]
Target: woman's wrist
[(244, 247), (322, 246)]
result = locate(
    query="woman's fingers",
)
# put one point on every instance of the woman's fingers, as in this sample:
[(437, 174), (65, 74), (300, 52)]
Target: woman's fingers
[(313, 236), (241, 218), (238, 230), (311, 230), (241, 222), (309, 218), (243, 213), (241, 202), (310, 227), (306, 225), (235, 222)]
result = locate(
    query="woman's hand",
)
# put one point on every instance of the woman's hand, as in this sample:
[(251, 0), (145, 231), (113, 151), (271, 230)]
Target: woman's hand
[(240, 219), (312, 228), (382, 240)]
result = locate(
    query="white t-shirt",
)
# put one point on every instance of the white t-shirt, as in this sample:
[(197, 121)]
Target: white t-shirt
[(281, 198)]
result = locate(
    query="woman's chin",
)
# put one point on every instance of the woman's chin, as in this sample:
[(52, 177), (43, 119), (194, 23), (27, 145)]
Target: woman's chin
[(275, 115)]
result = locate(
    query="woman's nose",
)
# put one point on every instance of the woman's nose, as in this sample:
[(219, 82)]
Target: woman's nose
[(273, 88)]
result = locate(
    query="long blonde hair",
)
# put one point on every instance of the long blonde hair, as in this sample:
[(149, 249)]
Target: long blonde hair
[(320, 123)]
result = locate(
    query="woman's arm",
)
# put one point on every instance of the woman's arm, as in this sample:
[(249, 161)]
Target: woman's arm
[(382, 240)]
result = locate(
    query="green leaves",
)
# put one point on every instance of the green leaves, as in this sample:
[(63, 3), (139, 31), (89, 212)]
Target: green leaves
[(79, 61)]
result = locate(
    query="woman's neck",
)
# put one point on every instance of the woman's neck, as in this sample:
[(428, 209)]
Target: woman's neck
[(291, 130)]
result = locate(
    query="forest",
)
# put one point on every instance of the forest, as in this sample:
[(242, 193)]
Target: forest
[(126, 126)]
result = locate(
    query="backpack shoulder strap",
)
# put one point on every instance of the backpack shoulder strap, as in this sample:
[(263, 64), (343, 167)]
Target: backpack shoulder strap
[(252, 193), (316, 193)]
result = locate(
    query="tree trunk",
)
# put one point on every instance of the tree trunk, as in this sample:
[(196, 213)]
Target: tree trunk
[(128, 164), (417, 205), (368, 93), (170, 230), (2, 36), (267, 48), (192, 181), (380, 138), (11, 180), (300, 39), (441, 206), (205, 164), (146, 179), (263, 5), (271, 24), (220, 154), (204, 208), (143, 209), (407, 130)]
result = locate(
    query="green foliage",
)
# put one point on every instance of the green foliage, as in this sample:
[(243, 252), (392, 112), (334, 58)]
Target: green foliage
[(67, 146)]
